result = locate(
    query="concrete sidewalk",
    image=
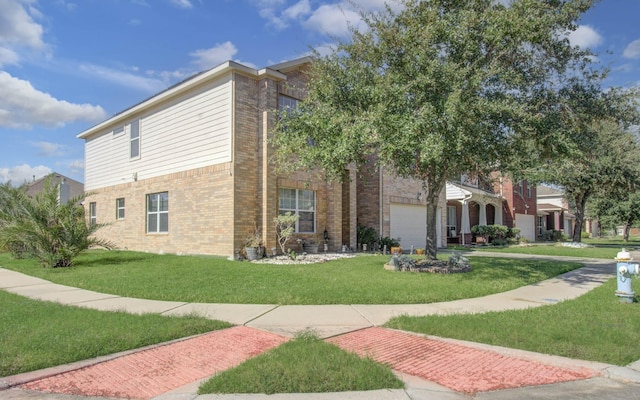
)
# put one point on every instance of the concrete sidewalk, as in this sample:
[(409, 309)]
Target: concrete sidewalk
[(333, 320)]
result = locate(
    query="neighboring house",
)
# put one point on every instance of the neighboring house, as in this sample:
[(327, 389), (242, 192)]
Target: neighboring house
[(471, 201), (68, 189), (553, 211), (189, 170)]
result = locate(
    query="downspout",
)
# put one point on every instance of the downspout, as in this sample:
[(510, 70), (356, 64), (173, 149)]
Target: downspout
[(380, 202)]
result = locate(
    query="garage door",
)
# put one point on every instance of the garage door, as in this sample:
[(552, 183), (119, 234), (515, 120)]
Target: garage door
[(409, 223), (527, 226)]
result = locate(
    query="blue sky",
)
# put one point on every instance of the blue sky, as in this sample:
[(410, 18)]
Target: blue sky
[(67, 65)]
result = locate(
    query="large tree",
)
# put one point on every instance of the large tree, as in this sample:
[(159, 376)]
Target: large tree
[(434, 90), (594, 153)]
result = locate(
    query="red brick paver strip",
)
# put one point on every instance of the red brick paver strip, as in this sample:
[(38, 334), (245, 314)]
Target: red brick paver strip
[(155, 371), (461, 368)]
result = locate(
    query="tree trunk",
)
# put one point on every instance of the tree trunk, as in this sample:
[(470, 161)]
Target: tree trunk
[(627, 228), (580, 202), (433, 189)]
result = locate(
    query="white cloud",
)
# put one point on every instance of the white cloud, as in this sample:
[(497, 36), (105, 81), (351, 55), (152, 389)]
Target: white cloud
[(27, 106), (23, 173), (186, 4), (334, 20), (585, 37), (8, 57), (208, 58), (76, 165), (297, 10), (48, 149), (17, 26), (150, 85), (632, 50)]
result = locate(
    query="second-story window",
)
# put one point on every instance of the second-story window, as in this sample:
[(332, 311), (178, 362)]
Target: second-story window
[(287, 104), (134, 137)]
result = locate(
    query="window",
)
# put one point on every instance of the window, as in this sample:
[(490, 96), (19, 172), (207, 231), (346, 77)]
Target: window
[(528, 190), (452, 221), (521, 188), (120, 208), (118, 131), (303, 203), (134, 138), (287, 104), (92, 213), (158, 212)]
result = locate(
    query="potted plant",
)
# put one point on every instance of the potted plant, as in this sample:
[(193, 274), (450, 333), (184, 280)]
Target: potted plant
[(310, 247), (253, 246)]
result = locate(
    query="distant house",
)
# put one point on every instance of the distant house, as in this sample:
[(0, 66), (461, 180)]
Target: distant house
[(553, 211), (497, 201), (190, 170), (68, 189)]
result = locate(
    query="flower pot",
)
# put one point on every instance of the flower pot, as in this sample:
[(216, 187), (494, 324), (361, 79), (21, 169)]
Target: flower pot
[(253, 253), (311, 248)]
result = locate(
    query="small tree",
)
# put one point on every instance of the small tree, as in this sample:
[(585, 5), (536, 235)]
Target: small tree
[(285, 226), (43, 228)]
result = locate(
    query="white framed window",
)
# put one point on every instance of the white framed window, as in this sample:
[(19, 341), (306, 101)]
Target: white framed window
[(158, 212), (303, 203), (118, 131), (120, 208), (134, 139), (529, 190), (92, 213)]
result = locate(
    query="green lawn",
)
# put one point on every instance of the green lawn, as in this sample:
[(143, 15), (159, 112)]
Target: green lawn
[(37, 334), (303, 365), (359, 280), (595, 326)]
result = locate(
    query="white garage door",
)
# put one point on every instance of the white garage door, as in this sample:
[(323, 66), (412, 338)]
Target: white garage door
[(409, 223), (527, 226)]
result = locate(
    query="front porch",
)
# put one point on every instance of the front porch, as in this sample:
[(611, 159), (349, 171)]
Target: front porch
[(469, 206)]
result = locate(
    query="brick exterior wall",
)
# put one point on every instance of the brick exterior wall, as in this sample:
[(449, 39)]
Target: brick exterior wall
[(515, 202), (199, 218)]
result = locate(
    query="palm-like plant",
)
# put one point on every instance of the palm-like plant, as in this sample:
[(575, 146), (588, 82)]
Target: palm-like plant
[(43, 228)]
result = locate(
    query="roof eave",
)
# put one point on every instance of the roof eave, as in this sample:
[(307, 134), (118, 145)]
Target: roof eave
[(189, 83)]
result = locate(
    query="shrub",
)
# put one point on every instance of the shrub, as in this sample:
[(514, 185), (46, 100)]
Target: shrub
[(43, 228), (366, 235), (389, 242)]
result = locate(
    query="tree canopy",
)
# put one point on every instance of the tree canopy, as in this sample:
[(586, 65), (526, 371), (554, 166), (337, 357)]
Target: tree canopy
[(436, 89)]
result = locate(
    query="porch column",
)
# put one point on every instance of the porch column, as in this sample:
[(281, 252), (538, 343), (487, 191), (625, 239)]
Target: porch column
[(465, 228), (498, 220), (483, 214)]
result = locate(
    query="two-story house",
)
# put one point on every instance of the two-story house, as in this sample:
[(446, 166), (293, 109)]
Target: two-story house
[(190, 170)]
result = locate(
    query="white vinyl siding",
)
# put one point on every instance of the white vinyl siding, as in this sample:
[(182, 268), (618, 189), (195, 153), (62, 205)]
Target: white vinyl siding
[(191, 131)]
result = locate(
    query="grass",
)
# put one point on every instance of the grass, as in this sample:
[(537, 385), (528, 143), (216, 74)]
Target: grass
[(36, 334), (303, 365), (359, 280), (595, 326)]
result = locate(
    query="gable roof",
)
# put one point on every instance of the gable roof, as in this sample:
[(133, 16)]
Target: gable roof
[(275, 72)]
